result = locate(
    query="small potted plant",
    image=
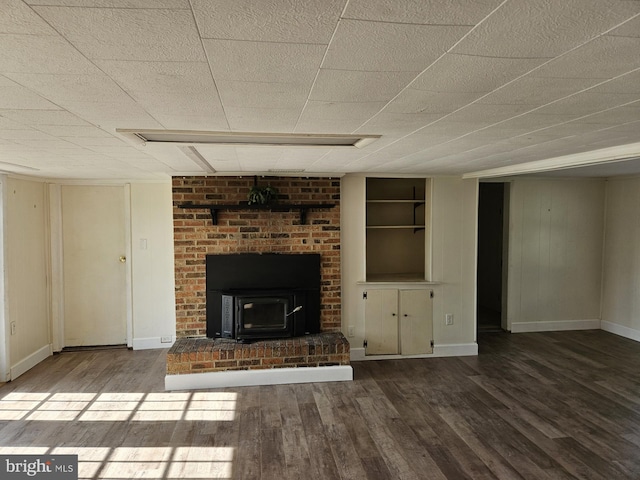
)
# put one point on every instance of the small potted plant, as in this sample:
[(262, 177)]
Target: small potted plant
[(259, 195)]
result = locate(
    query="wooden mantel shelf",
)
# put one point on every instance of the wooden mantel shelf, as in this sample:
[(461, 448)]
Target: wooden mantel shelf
[(276, 207)]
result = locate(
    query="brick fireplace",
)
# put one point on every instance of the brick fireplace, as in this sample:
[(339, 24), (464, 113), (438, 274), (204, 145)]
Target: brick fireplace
[(252, 231)]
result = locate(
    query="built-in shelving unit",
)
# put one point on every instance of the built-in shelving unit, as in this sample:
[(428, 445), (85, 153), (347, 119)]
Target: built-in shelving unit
[(303, 208), (396, 225)]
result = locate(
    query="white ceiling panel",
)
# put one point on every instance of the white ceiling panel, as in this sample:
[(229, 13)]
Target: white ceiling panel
[(537, 91), (544, 28), (450, 85), (390, 47), (268, 21), (336, 116), (468, 73), (426, 12), (355, 86), (420, 101), (66, 88), (262, 119), (41, 54), (264, 62), (262, 94), (20, 19), (603, 58), (176, 4), (128, 34)]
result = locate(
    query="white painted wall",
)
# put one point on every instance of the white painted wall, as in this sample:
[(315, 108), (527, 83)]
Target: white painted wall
[(621, 265), (555, 254), (26, 272), (453, 257), (153, 293)]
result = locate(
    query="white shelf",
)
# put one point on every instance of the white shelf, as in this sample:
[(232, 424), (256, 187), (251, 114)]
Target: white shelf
[(418, 200), (393, 226)]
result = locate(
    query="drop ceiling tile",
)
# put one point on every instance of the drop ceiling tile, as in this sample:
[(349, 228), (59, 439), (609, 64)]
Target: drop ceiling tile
[(375, 46), (42, 117), (398, 123), (262, 119), (605, 57), (20, 19), (312, 21), (354, 86), (176, 4), (414, 101), (25, 134), (41, 54), (537, 91), (66, 88), (94, 141), (262, 94), (191, 122), (17, 97), (614, 116), (111, 115), (336, 117), (588, 103), (630, 28), (544, 29), (264, 62), (426, 12), (628, 83), (467, 74), (128, 34), (73, 131)]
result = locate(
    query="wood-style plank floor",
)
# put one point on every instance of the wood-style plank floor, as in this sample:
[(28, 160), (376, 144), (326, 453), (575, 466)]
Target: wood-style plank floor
[(531, 406)]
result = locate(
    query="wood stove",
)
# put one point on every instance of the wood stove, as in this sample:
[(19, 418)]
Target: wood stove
[(259, 296)]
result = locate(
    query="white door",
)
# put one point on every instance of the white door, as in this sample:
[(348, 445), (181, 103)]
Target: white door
[(94, 265)]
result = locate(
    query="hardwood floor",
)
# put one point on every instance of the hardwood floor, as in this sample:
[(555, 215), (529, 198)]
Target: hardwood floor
[(531, 406)]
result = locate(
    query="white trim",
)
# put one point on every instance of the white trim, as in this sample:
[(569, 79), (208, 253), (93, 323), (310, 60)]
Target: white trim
[(151, 343), (129, 263), (621, 330), (449, 350), (556, 326), (594, 157), (245, 378), (31, 361), (5, 344)]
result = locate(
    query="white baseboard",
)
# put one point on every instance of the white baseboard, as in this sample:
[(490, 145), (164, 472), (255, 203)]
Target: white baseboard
[(621, 330), (31, 361), (151, 342), (556, 326), (246, 378), (449, 350)]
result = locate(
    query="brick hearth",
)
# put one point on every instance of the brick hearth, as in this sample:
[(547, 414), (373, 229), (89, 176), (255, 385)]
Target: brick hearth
[(199, 355)]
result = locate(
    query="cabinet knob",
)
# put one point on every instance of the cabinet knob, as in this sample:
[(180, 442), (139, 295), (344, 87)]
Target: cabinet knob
[(393, 314), (406, 314)]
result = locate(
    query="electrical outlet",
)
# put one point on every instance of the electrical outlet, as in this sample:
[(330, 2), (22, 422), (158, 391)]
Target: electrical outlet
[(13, 328), (165, 339), (448, 319), (351, 331)]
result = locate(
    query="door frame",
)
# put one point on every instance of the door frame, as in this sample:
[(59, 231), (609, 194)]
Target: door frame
[(57, 259)]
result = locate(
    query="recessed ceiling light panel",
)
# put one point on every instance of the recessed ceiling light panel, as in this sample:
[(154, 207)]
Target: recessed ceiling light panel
[(197, 137)]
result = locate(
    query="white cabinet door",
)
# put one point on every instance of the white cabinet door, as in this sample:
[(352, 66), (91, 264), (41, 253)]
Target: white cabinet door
[(416, 322), (381, 322), (398, 321)]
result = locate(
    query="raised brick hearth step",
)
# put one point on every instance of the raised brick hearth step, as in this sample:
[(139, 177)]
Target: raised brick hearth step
[(199, 355)]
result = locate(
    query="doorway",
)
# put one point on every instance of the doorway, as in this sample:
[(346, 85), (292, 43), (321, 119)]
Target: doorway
[(94, 265), (491, 251)]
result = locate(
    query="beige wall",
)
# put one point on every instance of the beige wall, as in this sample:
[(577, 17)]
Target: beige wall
[(621, 266), (26, 273), (555, 254), (453, 260)]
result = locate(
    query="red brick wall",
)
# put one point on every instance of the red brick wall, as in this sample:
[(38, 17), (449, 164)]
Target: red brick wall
[(242, 231)]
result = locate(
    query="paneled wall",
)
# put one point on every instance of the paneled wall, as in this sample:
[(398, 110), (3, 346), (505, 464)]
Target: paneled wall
[(621, 272), (243, 231), (555, 254)]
